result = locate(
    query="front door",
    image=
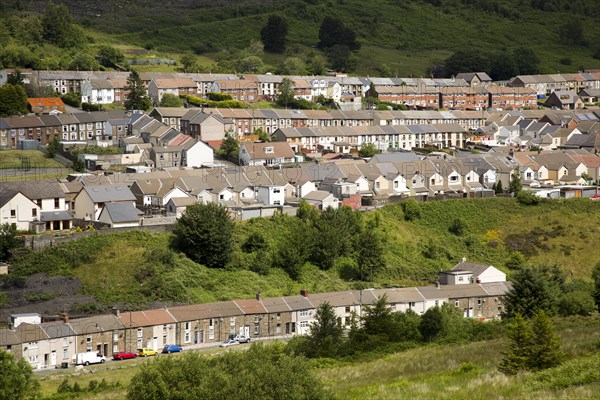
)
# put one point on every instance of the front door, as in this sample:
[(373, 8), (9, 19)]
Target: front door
[(196, 337), (155, 343), (105, 348), (53, 358), (247, 331)]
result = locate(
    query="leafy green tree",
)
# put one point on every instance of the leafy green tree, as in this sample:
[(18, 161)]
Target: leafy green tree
[(368, 150), (333, 32), (527, 60), (110, 56), (230, 148), (406, 326), (8, 240), (518, 352), (135, 97), (369, 255), (545, 349), (596, 277), (334, 235), (17, 381), (170, 100), (499, 189), (293, 249), (503, 67), (59, 27), (78, 164), (84, 62), (286, 93), (14, 56), (325, 333), (468, 60), (273, 34), (533, 289), (188, 61), (431, 324), (53, 148), (261, 372), (292, 66), (457, 227), (15, 78), (204, 233), (378, 319), (341, 58), (576, 302), (13, 100), (306, 212), (516, 183), (571, 33)]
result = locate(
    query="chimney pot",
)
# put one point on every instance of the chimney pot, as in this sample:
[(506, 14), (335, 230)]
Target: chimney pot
[(304, 292)]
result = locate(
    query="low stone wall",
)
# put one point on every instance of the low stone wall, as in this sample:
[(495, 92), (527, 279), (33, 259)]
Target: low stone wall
[(40, 242)]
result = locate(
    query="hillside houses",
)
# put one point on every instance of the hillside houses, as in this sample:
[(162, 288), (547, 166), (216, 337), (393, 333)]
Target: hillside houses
[(49, 344)]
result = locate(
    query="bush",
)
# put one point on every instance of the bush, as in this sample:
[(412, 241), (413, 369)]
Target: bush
[(528, 198), (412, 210)]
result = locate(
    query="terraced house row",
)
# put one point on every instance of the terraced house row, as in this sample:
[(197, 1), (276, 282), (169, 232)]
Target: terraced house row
[(476, 289)]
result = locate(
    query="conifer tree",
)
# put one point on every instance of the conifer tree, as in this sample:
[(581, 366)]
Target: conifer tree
[(545, 349), (136, 98), (517, 356)]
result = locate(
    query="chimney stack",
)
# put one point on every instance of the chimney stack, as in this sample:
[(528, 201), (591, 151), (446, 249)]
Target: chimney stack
[(464, 259), (64, 316), (304, 293), (258, 296), (116, 312)]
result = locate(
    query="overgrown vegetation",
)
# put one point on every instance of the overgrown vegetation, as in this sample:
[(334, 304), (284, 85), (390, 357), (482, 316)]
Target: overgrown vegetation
[(407, 244), (394, 38)]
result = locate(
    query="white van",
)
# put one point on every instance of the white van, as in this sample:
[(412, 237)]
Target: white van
[(89, 358)]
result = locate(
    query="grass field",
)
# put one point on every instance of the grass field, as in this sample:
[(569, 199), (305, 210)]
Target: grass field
[(465, 371), (17, 159)]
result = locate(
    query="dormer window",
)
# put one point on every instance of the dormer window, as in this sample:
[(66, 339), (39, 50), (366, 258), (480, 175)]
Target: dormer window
[(269, 150)]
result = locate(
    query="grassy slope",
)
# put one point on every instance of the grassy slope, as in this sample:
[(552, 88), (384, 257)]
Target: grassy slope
[(435, 372), (440, 372), (137, 267), (406, 36)]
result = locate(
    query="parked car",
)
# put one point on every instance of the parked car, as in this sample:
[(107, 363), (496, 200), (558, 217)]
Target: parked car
[(534, 184), (144, 352), (228, 343), (124, 355), (242, 339), (171, 348)]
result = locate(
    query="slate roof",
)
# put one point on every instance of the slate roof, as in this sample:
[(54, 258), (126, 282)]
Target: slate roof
[(122, 212), (55, 216), (36, 190), (109, 193)]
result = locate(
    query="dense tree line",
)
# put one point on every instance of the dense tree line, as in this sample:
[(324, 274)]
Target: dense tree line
[(261, 372), (379, 328)]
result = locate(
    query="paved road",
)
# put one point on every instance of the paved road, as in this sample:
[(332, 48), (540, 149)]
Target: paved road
[(110, 363)]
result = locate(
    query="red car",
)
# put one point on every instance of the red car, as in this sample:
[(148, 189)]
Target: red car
[(124, 355)]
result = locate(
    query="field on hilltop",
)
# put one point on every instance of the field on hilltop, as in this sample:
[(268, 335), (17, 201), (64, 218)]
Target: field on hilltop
[(137, 268), (397, 38)]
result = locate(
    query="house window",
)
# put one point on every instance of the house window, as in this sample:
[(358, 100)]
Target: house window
[(411, 305), (211, 329), (278, 329), (277, 190), (34, 212), (278, 316), (305, 313), (140, 332), (348, 310), (232, 321), (65, 354), (395, 184), (456, 303), (303, 324), (276, 202), (460, 278), (437, 303), (13, 213)]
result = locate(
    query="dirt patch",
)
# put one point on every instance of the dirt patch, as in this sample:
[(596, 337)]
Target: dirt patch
[(47, 295)]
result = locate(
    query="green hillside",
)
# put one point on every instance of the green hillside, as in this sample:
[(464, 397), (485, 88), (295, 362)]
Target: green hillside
[(138, 267), (397, 38)]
